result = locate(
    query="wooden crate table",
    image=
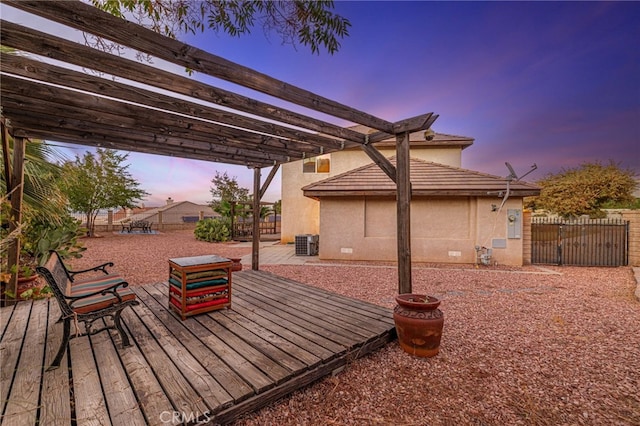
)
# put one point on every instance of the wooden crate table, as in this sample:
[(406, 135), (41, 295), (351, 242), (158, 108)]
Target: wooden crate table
[(199, 284)]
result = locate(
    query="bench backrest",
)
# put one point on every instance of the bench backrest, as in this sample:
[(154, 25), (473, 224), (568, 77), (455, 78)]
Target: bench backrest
[(57, 277)]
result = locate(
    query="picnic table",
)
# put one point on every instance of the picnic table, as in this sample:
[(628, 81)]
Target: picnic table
[(144, 225)]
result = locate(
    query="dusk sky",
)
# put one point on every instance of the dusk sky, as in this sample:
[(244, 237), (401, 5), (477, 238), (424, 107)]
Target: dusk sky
[(551, 83)]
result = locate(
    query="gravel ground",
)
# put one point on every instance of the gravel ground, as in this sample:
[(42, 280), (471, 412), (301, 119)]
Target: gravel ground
[(521, 346)]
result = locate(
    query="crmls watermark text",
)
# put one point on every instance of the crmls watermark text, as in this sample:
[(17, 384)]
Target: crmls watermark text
[(181, 417)]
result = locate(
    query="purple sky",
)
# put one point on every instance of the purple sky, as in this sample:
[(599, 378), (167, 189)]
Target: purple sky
[(551, 83)]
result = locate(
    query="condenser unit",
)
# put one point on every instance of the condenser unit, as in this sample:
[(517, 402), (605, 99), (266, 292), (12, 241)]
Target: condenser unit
[(307, 245)]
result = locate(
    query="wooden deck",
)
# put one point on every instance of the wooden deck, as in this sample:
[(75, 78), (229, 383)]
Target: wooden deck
[(279, 336)]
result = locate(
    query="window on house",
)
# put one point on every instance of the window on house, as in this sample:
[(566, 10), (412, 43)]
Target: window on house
[(321, 164)]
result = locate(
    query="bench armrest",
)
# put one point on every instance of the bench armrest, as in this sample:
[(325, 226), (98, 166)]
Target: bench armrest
[(102, 268)]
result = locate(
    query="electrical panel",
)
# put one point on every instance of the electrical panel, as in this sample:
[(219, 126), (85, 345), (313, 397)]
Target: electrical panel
[(514, 223)]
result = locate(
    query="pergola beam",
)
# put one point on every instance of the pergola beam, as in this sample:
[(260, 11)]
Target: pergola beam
[(92, 20), (421, 122), (267, 182), (27, 95), (29, 68), (47, 45), (47, 101), (382, 161)]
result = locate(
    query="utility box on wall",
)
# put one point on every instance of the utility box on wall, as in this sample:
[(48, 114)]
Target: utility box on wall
[(514, 223)]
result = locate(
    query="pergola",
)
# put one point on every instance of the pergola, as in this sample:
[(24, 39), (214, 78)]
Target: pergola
[(163, 113)]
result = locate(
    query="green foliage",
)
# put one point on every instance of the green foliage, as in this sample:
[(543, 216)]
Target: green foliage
[(265, 211), (225, 190), (33, 293), (310, 23), (213, 230), (45, 221), (41, 194), (40, 237), (633, 204), (585, 189), (100, 181)]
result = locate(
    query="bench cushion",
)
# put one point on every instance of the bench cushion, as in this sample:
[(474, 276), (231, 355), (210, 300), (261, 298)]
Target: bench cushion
[(94, 303)]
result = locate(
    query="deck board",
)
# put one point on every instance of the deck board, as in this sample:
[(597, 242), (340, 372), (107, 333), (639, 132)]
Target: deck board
[(234, 386), (26, 385), (54, 403), (278, 336)]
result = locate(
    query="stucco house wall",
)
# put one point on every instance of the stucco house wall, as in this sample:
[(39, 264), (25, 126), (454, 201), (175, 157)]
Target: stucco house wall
[(300, 215), (443, 230)]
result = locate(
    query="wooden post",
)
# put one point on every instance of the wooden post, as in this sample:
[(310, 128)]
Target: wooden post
[(403, 185), (15, 218), (255, 249), (5, 155), (232, 212)]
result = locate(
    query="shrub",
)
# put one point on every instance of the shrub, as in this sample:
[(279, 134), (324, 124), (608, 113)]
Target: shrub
[(212, 230)]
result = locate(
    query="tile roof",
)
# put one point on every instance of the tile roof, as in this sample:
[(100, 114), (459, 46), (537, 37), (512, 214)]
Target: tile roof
[(427, 179)]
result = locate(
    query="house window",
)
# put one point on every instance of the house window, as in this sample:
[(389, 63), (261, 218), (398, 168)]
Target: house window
[(321, 164)]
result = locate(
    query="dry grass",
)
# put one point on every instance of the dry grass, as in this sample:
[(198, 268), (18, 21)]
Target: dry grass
[(528, 346)]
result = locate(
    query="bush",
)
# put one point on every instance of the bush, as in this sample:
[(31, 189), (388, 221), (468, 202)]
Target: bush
[(40, 236), (213, 230)]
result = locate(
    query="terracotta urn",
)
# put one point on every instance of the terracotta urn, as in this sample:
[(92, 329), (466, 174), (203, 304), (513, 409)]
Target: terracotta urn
[(419, 324)]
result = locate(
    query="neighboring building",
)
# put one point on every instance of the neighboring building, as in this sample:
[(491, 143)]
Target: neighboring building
[(453, 210), (171, 213)]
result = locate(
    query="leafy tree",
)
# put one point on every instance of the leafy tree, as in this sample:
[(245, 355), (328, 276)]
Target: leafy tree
[(265, 211), (41, 195), (225, 190), (46, 223), (586, 189), (100, 181), (310, 23)]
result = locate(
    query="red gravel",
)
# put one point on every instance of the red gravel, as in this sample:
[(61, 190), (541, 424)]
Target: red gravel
[(525, 346)]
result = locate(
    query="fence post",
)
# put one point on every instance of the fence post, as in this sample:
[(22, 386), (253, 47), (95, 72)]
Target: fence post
[(560, 244), (526, 237), (633, 219), (109, 220)]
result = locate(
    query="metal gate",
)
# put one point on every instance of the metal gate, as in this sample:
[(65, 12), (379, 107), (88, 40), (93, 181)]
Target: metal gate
[(590, 242)]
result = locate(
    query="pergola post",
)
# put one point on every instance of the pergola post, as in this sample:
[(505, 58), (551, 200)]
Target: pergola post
[(15, 218), (255, 248), (403, 191)]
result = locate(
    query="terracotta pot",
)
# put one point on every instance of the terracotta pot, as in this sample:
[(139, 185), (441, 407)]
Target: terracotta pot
[(27, 280), (236, 266), (419, 324)]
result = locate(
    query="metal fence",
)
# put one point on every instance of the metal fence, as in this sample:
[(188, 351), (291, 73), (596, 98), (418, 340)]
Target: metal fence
[(587, 242), (241, 229)]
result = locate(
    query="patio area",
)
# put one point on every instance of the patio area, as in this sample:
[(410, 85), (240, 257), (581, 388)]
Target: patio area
[(279, 336)]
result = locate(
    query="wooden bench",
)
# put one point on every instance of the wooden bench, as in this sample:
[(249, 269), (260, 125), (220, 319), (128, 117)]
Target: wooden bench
[(86, 301), (145, 225)]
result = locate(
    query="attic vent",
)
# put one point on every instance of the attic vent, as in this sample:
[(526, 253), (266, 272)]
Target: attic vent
[(307, 245)]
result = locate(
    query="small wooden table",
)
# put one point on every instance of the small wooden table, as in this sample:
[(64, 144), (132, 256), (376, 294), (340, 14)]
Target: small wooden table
[(199, 284)]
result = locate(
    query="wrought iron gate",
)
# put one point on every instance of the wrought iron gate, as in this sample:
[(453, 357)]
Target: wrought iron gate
[(590, 242)]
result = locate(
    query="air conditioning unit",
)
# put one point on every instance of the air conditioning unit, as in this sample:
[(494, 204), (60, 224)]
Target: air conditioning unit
[(307, 245)]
